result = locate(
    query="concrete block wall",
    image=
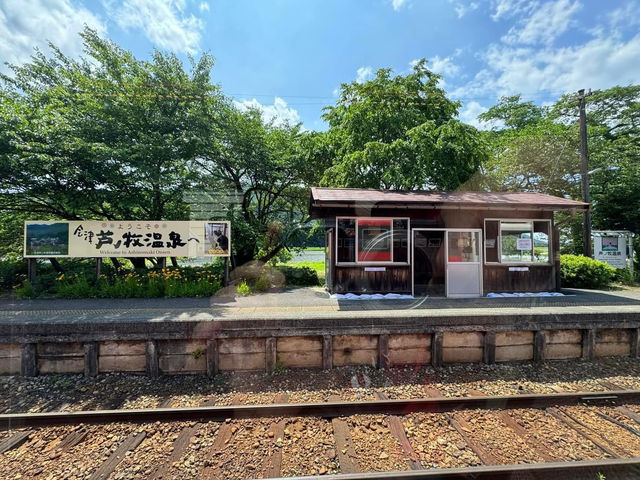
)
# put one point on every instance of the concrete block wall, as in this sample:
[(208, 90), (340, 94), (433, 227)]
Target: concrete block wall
[(387, 349)]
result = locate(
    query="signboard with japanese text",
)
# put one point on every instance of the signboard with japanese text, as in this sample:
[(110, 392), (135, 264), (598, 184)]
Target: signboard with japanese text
[(130, 238), (523, 243), (611, 249)]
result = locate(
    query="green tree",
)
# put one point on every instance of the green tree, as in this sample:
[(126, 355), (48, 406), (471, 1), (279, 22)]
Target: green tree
[(399, 132)]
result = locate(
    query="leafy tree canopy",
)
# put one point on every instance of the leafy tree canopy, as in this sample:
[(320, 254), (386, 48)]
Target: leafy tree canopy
[(399, 132)]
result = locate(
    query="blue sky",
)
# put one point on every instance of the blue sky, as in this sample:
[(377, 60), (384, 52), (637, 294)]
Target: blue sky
[(289, 57)]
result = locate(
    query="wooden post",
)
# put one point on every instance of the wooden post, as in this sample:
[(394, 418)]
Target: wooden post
[(635, 343), (327, 352), (539, 346), (98, 268), (213, 365), (589, 344), (174, 261), (383, 351), (90, 359), (271, 354), (29, 360), (436, 349), (32, 270), (152, 367), (162, 262), (225, 279), (489, 351)]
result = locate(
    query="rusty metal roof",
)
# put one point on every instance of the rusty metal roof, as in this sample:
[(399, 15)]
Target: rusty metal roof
[(325, 197)]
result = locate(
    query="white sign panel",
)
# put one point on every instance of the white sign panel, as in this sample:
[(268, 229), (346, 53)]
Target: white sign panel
[(611, 249), (523, 244), (130, 238)]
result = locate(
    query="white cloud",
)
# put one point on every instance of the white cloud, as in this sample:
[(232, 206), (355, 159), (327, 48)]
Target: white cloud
[(279, 113), (26, 24), (626, 16), (470, 112), (398, 4), (599, 63), (444, 66), (204, 7), (545, 24), (363, 74), (164, 22), (462, 8), (511, 8)]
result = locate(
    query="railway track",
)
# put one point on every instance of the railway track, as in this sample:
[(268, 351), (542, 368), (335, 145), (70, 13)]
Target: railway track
[(561, 435)]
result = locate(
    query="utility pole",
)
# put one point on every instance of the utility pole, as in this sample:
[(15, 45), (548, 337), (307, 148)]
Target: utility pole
[(584, 172)]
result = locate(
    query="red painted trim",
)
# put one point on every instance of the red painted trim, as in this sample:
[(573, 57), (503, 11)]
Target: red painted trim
[(374, 222), (374, 256)]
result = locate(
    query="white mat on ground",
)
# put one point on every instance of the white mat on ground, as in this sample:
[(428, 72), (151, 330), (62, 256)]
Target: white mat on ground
[(371, 296), (525, 294)]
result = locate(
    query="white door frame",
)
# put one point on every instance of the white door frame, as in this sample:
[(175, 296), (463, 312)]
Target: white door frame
[(446, 257)]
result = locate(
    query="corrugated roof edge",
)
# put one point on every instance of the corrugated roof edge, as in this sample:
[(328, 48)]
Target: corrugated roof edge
[(470, 198)]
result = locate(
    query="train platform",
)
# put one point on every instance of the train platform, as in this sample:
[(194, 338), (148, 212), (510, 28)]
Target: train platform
[(308, 303), (308, 328)]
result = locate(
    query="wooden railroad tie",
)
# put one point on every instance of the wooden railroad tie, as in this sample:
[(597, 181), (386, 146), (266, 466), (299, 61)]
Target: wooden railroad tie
[(519, 430), (14, 441), (397, 430), (180, 445), (344, 443), (274, 460), (128, 445)]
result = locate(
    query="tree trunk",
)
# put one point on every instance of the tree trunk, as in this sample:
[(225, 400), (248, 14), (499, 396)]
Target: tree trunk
[(138, 262), (56, 265), (272, 253), (116, 264)]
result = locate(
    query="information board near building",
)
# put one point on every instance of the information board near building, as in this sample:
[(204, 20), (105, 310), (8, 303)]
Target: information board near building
[(126, 238), (612, 247)]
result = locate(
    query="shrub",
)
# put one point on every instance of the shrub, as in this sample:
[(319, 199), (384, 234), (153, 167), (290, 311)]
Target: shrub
[(262, 284), (243, 289), (25, 290), (583, 272), (76, 287), (10, 270), (624, 276), (299, 276)]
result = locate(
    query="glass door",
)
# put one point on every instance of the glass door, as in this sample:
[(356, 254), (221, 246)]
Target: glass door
[(429, 263), (464, 265)]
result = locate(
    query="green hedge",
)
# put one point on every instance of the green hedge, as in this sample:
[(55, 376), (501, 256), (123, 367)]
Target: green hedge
[(200, 281), (299, 276), (578, 271)]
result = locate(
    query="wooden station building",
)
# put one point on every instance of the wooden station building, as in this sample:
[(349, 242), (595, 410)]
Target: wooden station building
[(426, 243)]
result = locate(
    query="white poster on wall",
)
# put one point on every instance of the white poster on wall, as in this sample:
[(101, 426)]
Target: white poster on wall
[(523, 243)]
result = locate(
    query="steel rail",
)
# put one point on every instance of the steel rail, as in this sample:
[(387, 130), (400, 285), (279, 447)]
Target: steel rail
[(619, 468), (324, 410)]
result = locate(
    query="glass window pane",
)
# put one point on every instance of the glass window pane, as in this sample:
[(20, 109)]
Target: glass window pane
[(400, 240), (516, 242), (541, 246), (346, 240), (374, 240), (463, 247)]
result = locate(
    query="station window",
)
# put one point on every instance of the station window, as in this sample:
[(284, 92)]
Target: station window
[(372, 240), (517, 241)]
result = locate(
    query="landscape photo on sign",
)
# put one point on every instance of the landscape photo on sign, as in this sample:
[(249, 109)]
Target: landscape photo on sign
[(216, 238), (609, 244), (50, 239)]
